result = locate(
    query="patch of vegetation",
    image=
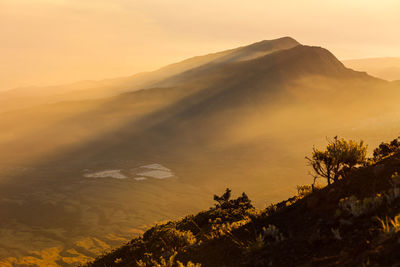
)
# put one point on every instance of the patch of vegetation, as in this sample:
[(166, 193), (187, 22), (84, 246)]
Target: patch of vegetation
[(386, 148), (390, 226), (224, 201), (305, 190), (339, 157), (356, 207)]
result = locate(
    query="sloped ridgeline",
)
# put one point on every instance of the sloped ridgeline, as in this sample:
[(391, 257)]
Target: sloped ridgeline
[(353, 222)]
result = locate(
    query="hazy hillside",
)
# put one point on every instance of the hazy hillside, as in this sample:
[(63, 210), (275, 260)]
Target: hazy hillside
[(384, 68), (80, 177), (31, 96)]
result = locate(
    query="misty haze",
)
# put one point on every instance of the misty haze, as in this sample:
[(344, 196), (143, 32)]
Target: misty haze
[(87, 166)]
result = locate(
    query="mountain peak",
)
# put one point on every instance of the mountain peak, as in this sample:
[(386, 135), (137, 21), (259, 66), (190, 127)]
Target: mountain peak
[(281, 40), (303, 59), (270, 45)]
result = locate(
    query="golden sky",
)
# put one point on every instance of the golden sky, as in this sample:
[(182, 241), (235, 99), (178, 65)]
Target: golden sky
[(45, 42)]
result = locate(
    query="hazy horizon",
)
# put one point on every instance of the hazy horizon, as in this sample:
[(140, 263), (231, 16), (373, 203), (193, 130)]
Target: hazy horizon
[(51, 42)]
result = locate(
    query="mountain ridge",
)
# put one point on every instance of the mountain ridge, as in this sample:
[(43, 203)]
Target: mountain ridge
[(247, 84), (143, 80)]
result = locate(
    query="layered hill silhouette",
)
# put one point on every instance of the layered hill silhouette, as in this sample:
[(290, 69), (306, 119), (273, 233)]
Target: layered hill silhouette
[(31, 96), (384, 68), (166, 119), (243, 118)]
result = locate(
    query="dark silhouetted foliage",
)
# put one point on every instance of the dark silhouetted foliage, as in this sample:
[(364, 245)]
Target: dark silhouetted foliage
[(224, 198), (339, 157), (386, 149), (225, 202)]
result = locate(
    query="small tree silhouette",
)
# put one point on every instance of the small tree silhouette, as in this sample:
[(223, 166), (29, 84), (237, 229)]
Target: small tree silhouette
[(339, 157), (224, 198), (225, 202)]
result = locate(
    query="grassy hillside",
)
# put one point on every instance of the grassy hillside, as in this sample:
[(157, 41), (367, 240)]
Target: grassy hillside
[(352, 222)]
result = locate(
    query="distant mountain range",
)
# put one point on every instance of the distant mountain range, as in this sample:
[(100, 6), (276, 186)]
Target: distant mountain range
[(384, 68), (243, 118), (30, 96)]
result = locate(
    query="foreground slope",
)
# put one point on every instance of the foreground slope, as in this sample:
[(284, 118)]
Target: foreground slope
[(353, 222)]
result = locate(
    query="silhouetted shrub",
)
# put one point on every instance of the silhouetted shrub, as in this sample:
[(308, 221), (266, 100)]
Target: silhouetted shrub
[(168, 238), (224, 198), (386, 149), (304, 190), (356, 207), (225, 202), (163, 262), (269, 235), (339, 158)]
